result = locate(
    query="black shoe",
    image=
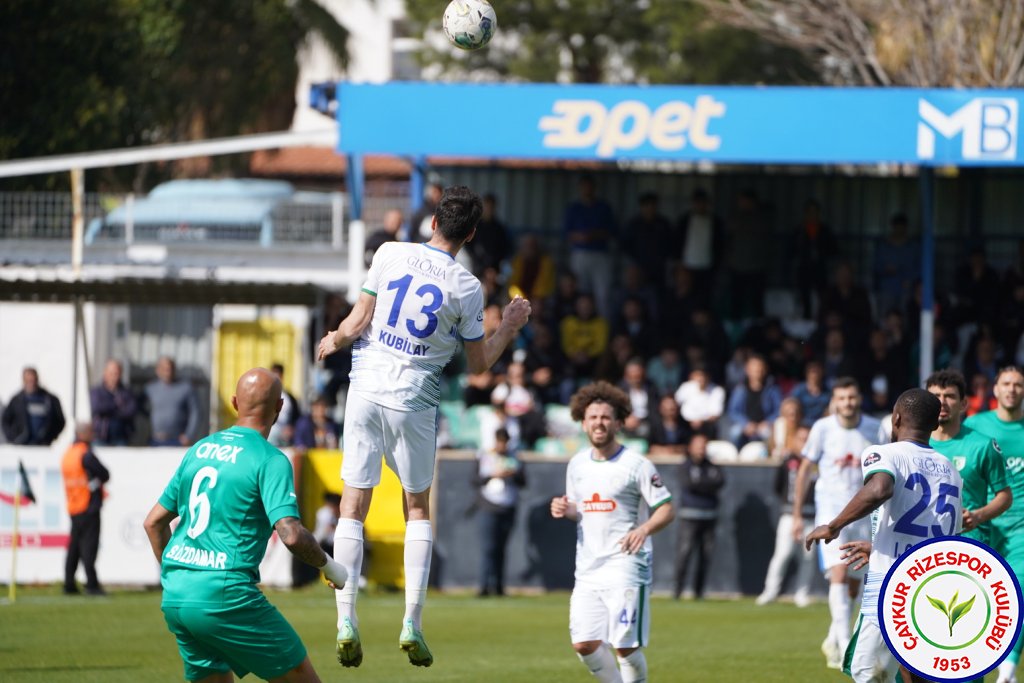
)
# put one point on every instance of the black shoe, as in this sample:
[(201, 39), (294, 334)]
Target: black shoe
[(72, 590), (96, 591), (483, 593)]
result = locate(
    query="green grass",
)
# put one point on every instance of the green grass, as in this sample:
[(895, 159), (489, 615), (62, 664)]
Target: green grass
[(46, 636)]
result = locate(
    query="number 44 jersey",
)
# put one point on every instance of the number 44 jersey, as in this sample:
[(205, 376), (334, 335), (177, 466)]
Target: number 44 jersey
[(229, 491), (427, 303), (925, 504)]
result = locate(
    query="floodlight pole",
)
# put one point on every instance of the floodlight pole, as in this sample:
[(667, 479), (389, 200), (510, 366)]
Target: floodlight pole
[(77, 250), (927, 341)]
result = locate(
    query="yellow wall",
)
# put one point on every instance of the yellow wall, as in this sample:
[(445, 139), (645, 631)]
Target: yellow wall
[(241, 346), (385, 523)]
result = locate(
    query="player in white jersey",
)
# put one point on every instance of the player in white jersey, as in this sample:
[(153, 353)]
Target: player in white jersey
[(618, 500), (916, 492), (417, 306), (833, 446)]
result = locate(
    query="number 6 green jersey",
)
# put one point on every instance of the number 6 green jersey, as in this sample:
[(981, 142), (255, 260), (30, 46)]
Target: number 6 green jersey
[(229, 491)]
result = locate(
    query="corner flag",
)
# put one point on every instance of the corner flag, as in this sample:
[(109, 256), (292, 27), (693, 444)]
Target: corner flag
[(26, 487)]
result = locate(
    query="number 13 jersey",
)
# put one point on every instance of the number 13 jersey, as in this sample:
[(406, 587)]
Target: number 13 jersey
[(426, 303), (925, 503)]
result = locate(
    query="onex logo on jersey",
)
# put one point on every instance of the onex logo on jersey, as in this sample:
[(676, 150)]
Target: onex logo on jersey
[(1015, 465), (598, 504), (213, 451)]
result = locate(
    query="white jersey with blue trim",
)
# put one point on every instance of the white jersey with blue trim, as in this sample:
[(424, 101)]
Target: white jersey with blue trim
[(925, 504), (608, 495), (427, 303), (834, 449)]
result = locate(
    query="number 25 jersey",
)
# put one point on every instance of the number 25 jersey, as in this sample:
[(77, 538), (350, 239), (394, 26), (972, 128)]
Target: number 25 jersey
[(925, 503), (426, 303)]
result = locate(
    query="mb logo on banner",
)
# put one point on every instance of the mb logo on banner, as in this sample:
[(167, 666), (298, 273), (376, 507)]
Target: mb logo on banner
[(987, 127)]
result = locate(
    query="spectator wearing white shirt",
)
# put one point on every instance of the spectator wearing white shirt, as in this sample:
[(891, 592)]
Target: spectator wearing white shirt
[(701, 402)]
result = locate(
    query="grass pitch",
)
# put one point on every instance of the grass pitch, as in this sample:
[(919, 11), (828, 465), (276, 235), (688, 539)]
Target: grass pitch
[(46, 636)]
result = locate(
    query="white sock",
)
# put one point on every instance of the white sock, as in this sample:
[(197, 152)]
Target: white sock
[(839, 608), (633, 667), (348, 552), (419, 542), (1008, 670), (601, 663)]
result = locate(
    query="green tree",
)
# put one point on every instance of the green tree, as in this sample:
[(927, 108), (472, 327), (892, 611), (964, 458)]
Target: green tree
[(609, 41), (78, 75)]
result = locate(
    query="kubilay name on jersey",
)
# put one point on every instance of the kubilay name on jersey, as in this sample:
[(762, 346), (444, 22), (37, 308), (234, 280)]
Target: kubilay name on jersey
[(427, 304)]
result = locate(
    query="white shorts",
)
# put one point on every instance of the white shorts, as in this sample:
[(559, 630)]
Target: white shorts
[(407, 440), (620, 617), (829, 553), (868, 659)]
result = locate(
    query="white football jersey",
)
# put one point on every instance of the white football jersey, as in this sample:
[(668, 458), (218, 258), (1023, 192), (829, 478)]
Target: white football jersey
[(836, 450), (426, 303), (925, 504), (609, 495)]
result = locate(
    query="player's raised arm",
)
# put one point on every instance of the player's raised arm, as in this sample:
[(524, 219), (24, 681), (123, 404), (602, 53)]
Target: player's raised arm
[(350, 328), (876, 490), (482, 354)]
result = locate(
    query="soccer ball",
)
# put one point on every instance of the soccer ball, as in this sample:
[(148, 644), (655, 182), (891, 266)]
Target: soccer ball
[(469, 24)]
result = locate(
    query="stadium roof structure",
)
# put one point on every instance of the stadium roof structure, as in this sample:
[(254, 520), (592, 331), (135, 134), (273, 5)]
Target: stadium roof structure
[(927, 128), (162, 291)]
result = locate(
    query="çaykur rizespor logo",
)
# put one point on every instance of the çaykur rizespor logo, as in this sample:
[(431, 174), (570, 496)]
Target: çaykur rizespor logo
[(949, 609)]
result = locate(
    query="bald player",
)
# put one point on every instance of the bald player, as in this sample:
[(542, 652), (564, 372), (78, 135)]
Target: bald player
[(231, 490)]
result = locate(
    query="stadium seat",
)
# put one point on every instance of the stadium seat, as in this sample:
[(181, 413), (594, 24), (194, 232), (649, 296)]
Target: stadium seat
[(755, 451), (638, 445), (550, 446), (722, 451), (559, 420)]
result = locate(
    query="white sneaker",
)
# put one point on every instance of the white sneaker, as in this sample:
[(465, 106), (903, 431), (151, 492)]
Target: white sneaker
[(1007, 673), (802, 599), (763, 599), (833, 657)]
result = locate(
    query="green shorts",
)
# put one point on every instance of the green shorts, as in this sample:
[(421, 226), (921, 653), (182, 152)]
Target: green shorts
[(253, 638)]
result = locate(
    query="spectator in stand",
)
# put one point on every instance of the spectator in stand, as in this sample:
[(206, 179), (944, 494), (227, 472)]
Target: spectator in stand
[(1012, 317), (897, 264), (813, 248), (785, 429), (390, 231), (544, 363), (837, 360), (851, 302), (701, 244), (643, 399), (282, 434), (338, 365), (701, 402), (700, 480), (665, 370), (786, 546), (749, 249), (584, 338), (84, 476), (677, 304), (317, 429), (976, 286), (490, 284), (669, 433), (896, 335), (754, 404), (514, 393), (649, 231), (420, 224), (499, 477), (634, 323), (173, 407), (33, 417), (981, 399), (563, 303), (113, 408), (812, 393), (883, 377), (981, 357), (479, 386), (589, 230), (491, 247), (707, 333), (327, 521), (635, 285), (533, 271), (612, 364)]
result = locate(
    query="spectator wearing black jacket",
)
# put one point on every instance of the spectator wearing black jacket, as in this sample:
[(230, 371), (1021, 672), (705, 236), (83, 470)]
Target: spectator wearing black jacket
[(700, 480), (113, 408), (34, 416), (499, 477)]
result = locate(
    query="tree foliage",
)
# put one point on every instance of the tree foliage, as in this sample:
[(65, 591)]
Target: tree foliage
[(608, 41), (925, 43), (78, 75)]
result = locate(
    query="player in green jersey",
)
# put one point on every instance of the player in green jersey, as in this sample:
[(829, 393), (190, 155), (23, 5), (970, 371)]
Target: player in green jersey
[(1005, 424), (986, 492), (231, 490)]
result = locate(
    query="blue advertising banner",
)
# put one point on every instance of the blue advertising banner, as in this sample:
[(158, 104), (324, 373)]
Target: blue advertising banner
[(686, 123)]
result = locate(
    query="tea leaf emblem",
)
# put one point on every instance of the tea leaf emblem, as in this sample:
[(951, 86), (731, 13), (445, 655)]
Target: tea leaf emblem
[(953, 611)]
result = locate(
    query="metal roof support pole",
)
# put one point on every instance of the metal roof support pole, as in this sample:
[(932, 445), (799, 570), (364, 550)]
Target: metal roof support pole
[(77, 247), (926, 174), (356, 181), (417, 184)]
